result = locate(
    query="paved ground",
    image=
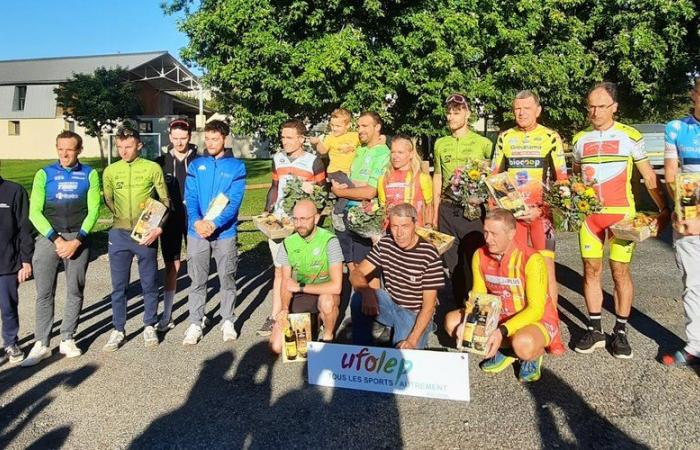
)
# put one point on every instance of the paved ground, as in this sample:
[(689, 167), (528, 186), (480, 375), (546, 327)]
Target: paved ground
[(218, 395)]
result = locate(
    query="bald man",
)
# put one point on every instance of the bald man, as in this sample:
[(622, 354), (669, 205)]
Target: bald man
[(312, 274)]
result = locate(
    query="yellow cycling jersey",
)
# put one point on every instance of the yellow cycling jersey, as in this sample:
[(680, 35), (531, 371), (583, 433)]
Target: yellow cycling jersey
[(531, 158), (606, 158)]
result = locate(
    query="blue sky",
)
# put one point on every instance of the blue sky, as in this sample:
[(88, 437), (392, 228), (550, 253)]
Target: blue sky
[(49, 28)]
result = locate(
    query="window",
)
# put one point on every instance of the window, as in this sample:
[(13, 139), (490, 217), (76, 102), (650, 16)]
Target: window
[(20, 98), (13, 127), (145, 126)]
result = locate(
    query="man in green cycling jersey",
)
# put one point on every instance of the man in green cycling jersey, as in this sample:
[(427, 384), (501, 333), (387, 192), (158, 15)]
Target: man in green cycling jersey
[(128, 183)]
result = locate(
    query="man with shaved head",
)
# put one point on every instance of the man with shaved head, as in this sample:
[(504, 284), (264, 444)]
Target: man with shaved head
[(312, 273)]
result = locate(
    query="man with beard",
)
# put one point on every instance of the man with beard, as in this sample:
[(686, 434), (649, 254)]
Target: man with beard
[(312, 274)]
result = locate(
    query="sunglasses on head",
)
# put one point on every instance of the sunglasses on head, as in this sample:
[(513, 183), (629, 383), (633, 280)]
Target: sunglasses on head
[(456, 98), (179, 124), (128, 132)]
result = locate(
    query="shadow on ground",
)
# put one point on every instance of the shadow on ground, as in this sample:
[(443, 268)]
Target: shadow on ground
[(225, 410)]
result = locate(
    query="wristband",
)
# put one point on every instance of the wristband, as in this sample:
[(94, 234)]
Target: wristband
[(503, 330)]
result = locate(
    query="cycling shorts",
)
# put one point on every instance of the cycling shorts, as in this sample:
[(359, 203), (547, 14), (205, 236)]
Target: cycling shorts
[(593, 234)]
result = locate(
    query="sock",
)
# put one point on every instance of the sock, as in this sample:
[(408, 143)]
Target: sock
[(594, 322), (620, 324), (168, 297)]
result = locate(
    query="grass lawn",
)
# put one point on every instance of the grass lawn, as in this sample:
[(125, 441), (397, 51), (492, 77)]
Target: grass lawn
[(22, 171)]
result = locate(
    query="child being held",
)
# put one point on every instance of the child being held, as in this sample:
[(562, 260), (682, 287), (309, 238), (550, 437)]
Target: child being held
[(340, 146)]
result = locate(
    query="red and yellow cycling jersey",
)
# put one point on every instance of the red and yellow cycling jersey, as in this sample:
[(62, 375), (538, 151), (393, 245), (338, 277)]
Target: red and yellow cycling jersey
[(606, 159), (519, 278), (396, 187), (531, 158)]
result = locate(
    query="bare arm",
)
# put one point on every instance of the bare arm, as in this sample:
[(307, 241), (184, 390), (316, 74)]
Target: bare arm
[(355, 193), (437, 191), (670, 172), (652, 183)]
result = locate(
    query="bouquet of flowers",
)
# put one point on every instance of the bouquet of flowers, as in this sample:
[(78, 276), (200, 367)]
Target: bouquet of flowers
[(367, 219), (572, 201), (468, 186), (296, 190)]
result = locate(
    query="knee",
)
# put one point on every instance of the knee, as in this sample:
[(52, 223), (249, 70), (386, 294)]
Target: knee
[(592, 270), (326, 304), (525, 346), (452, 321), (619, 271)]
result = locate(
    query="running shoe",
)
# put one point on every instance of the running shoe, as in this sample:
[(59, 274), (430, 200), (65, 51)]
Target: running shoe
[(590, 341), (150, 338), (681, 358), (38, 353), (620, 346), (14, 354), (497, 364), (69, 349), (228, 331), (115, 340), (266, 328), (531, 371), (192, 335)]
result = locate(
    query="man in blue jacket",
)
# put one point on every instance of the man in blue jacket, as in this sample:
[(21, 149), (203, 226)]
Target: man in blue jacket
[(214, 235)]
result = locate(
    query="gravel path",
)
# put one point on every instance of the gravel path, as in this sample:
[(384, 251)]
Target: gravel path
[(235, 395)]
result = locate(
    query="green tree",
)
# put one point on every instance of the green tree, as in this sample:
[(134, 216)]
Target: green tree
[(269, 59), (103, 98)]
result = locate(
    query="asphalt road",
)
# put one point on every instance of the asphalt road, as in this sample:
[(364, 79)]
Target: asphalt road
[(235, 395)]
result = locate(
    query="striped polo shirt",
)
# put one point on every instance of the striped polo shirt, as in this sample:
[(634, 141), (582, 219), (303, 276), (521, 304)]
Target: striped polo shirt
[(408, 272)]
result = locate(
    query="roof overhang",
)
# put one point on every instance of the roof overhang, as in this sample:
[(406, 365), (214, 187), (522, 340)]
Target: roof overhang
[(165, 73)]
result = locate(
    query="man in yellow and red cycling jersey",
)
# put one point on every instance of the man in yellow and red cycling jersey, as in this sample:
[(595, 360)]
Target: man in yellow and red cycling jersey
[(605, 153), (533, 154), (518, 275)]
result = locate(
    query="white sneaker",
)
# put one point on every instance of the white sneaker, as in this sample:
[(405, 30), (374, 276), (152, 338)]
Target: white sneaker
[(115, 340), (36, 354), (229, 332), (149, 336), (192, 335), (205, 322), (69, 349), (163, 327)]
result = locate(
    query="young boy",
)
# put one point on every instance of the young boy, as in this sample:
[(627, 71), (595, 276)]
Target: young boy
[(340, 146)]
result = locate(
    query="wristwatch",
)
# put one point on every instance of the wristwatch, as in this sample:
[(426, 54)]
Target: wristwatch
[(301, 287)]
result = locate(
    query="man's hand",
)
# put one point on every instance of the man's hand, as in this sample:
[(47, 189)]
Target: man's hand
[(151, 236), (24, 273), (370, 306), (293, 286), (281, 317), (493, 344), (262, 214), (533, 213), (337, 188), (66, 249), (204, 228), (406, 344)]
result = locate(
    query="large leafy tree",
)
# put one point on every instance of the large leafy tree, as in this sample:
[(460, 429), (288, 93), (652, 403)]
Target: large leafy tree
[(99, 99), (269, 59)]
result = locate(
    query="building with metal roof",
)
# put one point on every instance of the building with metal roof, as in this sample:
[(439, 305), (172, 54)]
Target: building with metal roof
[(30, 118)]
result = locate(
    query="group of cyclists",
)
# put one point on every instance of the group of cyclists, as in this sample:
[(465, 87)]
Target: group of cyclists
[(396, 280)]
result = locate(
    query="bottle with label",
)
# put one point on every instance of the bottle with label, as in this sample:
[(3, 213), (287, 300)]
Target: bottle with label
[(470, 326), (301, 342), (290, 344)]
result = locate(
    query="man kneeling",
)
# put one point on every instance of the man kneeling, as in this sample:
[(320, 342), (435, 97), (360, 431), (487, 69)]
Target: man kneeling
[(517, 275), (312, 274), (412, 274)]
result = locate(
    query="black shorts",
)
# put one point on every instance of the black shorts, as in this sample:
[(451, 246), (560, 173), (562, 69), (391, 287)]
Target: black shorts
[(355, 247), (304, 303), (174, 231)]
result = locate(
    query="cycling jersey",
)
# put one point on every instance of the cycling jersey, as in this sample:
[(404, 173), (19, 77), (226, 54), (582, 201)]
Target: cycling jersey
[(128, 185), (306, 167), (532, 158), (398, 187), (519, 278), (309, 258), (453, 152), (65, 200), (606, 158), (682, 139)]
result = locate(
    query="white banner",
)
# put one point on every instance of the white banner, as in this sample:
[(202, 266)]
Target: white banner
[(420, 373)]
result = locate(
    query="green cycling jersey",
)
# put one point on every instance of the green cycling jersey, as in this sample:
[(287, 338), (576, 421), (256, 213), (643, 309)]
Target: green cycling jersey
[(127, 185)]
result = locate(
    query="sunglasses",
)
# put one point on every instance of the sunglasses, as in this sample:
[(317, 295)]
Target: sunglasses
[(179, 124), (456, 98)]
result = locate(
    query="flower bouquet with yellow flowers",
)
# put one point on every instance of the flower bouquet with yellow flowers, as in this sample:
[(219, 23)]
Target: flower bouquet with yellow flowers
[(571, 202), (468, 187), (367, 219)]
